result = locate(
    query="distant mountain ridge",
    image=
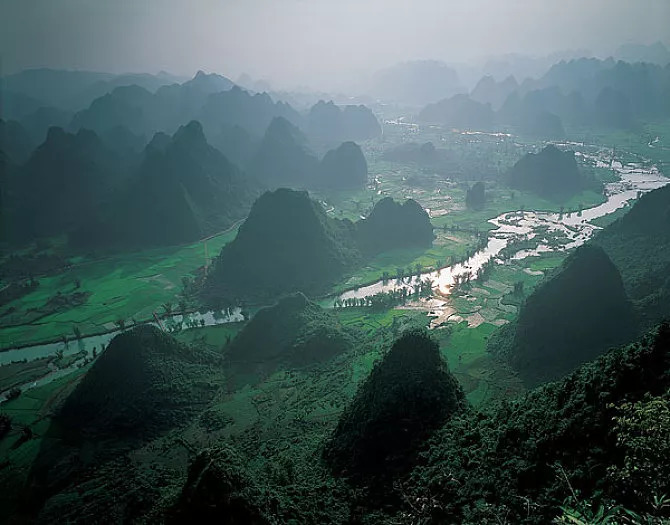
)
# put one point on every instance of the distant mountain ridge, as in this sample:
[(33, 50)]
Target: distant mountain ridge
[(74, 89), (607, 93), (146, 112), (656, 53), (109, 195), (416, 83)]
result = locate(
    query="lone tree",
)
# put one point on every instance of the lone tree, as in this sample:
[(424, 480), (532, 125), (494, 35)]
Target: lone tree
[(475, 198)]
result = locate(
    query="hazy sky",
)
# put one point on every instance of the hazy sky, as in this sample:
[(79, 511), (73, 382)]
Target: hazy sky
[(313, 42)]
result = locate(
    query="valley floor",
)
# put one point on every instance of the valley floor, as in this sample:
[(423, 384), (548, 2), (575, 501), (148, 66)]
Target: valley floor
[(299, 406)]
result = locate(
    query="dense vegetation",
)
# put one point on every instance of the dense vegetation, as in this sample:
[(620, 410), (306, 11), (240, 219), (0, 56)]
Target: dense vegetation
[(551, 173), (575, 315), (289, 244), (77, 167), (639, 245), (405, 398), (144, 383), (475, 198), (460, 112), (194, 190), (271, 384), (489, 91), (15, 141), (218, 490), (524, 459), (406, 443), (293, 332), (392, 225), (104, 164), (344, 167), (328, 124), (283, 157)]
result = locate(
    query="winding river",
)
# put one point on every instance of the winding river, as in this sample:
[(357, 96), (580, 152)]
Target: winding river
[(573, 229)]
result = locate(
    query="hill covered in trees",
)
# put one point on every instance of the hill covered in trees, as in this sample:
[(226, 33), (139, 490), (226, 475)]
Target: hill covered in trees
[(460, 112), (406, 447), (287, 244), (218, 489), (565, 444), (489, 91), (142, 385), (237, 107), (394, 225), (574, 316), (404, 400), (328, 124), (293, 332), (106, 194), (475, 198), (183, 190), (639, 245), (284, 157), (551, 173), (63, 183), (15, 141), (344, 167)]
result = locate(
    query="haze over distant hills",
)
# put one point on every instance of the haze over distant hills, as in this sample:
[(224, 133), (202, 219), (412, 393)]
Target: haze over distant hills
[(268, 141), (608, 93), (416, 83), (73, 90), (656, 53), (178, 189), (367, 262), (128, 109)]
